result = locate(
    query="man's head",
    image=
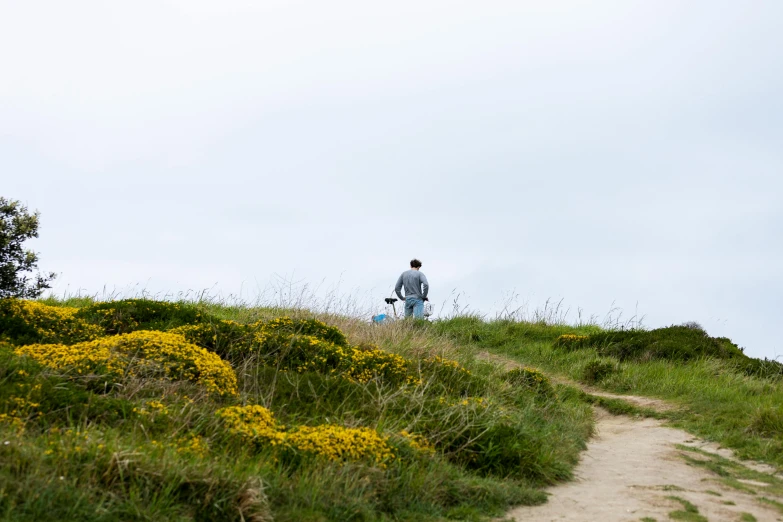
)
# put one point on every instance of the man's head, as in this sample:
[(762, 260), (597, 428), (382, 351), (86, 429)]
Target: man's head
[(415, 264)]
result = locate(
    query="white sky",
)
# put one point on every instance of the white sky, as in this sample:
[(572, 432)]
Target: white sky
[(595, 151)]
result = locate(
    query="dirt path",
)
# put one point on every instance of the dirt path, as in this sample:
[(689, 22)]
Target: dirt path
[(632, 468)]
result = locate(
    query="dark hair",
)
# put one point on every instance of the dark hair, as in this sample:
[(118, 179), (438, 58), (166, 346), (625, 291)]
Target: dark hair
[(415, 263)]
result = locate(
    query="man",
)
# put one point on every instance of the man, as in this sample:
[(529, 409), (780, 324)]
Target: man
[(416, 289)]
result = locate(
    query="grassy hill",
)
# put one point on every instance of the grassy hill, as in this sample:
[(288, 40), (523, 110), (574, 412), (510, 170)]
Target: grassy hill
[(720, 393), (145, 410)]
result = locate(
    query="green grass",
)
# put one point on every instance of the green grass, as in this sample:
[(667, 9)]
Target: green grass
[(81, 447), (621, 407), (774, 503), (747, 517), (714, 398), (690, 513), (731, 472)]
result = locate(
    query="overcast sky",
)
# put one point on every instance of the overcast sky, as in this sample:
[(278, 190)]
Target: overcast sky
[(598, 152)]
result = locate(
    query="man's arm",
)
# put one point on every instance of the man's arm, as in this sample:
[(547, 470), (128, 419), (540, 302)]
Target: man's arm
[(398, 287), (425, 285)]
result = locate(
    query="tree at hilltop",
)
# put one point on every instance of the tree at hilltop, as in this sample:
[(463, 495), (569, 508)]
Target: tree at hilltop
[(17, 225)]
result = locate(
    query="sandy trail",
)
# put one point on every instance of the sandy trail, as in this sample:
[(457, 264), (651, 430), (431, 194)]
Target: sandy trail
[(628, 470), (632, 465)]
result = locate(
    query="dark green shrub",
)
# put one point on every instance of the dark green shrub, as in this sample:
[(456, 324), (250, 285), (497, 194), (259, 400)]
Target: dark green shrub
[(529, 378), (597, 370), (764, 368), (311, 327), (678, 343), (767, 422), (129, 315)]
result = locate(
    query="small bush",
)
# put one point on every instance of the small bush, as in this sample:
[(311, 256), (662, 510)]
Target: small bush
[(310, 327), (529, 378), (767, 422), (228, 339), (130, 315), (597, 370), (450, 376)]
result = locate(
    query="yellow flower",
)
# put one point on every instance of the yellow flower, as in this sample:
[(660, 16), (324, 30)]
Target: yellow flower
[(193, 445), (418, 442)]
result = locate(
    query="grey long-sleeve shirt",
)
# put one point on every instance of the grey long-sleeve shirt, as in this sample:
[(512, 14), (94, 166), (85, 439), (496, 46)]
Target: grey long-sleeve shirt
[(415, 284)]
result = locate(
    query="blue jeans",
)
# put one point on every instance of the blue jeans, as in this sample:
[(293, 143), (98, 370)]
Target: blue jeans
[(415, 307)]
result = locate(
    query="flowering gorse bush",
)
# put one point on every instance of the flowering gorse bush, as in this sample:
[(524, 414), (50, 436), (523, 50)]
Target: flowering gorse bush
[(338, 443), (152, 408), (147, 354), (252, 423), (25, 322), (368, 361), (445, 366), (193, 445), (81, 358), (570, 341), (257, 425), (418, 442), (18, 409)]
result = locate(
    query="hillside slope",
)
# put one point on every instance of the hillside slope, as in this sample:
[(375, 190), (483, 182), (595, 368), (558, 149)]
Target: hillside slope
[(718, 392), (144, 410)]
